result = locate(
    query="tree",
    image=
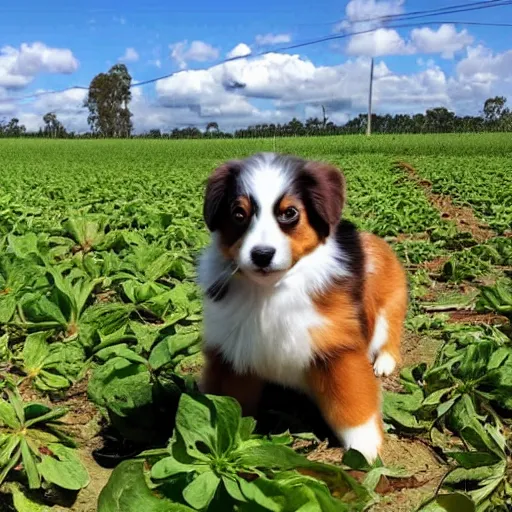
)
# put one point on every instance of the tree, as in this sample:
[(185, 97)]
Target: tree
[(108, 99), (212, 126), (13, 128), (439, 119), (494, 108), (53, 127)]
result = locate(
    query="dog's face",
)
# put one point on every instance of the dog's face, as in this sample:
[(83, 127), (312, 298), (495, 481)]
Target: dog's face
[(270, 210)]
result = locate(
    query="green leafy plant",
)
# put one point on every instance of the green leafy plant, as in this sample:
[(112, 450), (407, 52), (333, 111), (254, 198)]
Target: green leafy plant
[(459, 396), (138, 394), (497, 299), (33, 445), (51, 366), (214, 461)]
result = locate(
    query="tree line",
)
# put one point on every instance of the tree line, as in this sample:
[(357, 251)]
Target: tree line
[(109, 116)]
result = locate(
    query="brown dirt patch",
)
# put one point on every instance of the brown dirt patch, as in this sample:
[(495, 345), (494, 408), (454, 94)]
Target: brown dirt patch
[(463, 216), (423, 468), (473, 317), (415, 349)]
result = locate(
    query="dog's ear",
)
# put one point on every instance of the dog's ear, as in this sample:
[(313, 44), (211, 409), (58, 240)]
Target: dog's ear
[(323, 188), (220, 184)]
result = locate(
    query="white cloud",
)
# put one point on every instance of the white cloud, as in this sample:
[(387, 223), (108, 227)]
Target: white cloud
[(445, 40), (364, 15), (270, 39), (240, 50), (198, 51), (130, 55), (359, 13), (483, 61), (382, 41), (19, 66)]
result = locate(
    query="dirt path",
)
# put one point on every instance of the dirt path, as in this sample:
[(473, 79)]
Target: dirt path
[(463, 216)]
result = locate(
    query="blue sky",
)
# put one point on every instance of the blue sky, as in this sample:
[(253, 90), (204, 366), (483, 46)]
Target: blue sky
[(156, 38)]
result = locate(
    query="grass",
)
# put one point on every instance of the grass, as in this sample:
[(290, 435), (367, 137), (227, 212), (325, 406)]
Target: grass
[(99, 312)]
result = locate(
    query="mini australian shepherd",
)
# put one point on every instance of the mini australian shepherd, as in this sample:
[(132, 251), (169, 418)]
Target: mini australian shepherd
[(298, 297)]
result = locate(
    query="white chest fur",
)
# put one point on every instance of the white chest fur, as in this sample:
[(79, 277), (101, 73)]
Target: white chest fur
[(267, 330), (267, 333)]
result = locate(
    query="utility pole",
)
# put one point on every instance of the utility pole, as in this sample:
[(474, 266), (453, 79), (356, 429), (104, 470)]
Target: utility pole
[(369, 124)]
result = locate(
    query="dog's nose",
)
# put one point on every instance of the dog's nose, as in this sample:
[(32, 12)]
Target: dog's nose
[(262, 255)]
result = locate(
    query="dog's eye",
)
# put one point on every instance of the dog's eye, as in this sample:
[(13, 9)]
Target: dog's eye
[(290, 215), (239, 215)]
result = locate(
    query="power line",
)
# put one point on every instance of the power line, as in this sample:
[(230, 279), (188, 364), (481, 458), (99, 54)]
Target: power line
[(332, 37), (465, 7)]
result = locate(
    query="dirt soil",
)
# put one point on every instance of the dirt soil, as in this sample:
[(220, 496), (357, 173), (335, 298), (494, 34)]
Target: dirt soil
[(463, 216)]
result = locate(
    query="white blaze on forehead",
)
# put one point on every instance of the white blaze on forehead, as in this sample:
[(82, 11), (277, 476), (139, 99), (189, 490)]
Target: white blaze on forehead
[(265, 180)]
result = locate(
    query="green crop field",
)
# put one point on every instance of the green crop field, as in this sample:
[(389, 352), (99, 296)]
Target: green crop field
[(100, 329)]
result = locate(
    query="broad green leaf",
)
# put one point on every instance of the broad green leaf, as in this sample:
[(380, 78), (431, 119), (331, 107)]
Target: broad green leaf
[(48, 381), (17, 403), (453, 502), (435, 397), (444, 407), (29, 465), (23, 245), (12, 463), (38, 308), (8, 415), (267, 455), (8, 445), (253, 493), (470, 460), (233, 487), (400, 408), (127, 491), (35, 413), (146, 334), (179, 342), (355, 460), (476, 474), (247, 427), (200, 492), (488, 487), (120, 350), (7, 306), (227, 422), (63, 468), (35, 352), (160, 355), (195, 423), (23, 503), (456, 502), (168, 467)]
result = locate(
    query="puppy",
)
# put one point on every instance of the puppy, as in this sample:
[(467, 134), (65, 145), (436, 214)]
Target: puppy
[(296, 296)]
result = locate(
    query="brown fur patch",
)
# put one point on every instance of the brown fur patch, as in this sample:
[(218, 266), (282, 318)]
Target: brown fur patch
[(219, 378), (385, 291), (303, 237), (346, 389), (343, 329)]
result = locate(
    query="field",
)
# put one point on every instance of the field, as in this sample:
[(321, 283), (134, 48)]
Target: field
[(100, 327)]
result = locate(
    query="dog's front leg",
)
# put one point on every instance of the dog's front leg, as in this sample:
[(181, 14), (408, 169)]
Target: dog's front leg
[(348, 394), (219, 378)]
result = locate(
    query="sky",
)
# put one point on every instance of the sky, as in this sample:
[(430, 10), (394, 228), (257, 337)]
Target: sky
[(49, 46)]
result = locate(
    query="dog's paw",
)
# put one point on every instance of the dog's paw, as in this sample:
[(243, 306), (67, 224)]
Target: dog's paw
[(384, 365), (365, 438)]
